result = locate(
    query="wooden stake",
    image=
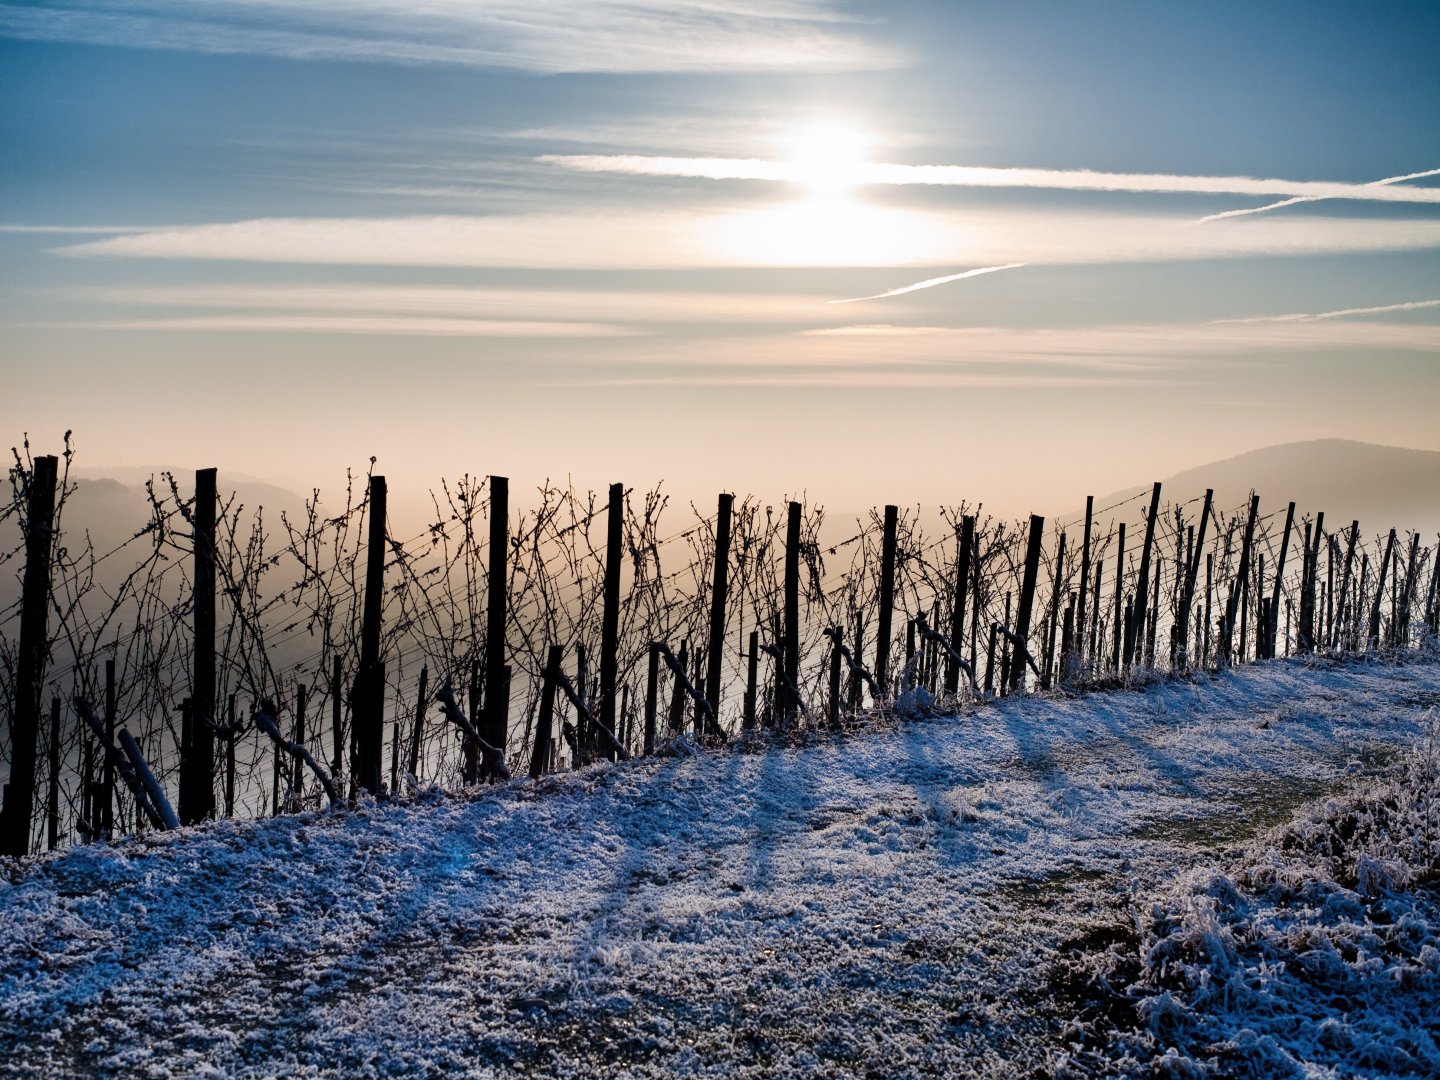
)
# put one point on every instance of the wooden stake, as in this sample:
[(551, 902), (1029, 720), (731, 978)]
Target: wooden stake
[(19, 805), (610, 616)]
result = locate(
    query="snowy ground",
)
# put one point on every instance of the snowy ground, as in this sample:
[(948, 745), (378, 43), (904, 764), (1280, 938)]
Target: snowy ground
[(915, 900)]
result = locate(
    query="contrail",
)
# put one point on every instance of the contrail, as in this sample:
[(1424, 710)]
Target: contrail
[(1311, 198), (930, 283), (1413, 305), (989, 177)]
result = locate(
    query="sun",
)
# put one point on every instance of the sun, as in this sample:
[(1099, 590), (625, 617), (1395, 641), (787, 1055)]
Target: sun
[(826, 158)]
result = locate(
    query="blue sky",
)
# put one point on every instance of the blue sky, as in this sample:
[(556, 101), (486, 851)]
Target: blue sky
[(605, 239)]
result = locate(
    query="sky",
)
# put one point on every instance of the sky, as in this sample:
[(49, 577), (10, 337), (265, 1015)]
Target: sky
[(902, 251)]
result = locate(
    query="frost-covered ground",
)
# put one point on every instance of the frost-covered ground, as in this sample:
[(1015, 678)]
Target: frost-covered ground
[(932, 897)]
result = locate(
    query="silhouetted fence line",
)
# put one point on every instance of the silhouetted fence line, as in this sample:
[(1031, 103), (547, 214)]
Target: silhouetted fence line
[(750, 617)]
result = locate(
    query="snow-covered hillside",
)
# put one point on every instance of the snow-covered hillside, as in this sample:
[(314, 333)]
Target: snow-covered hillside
[(929, 897)]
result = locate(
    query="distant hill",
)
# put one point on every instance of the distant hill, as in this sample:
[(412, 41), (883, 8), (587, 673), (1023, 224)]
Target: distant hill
[(1380, 486)]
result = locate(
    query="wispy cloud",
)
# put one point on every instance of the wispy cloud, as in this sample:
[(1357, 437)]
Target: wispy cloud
[(1082, 357), (531, 35), (989, 177), (77, 230), (930, 283), (920, 356), (797, 236), (640, 306), (1247, 211), (400, 326), (1342, 313)]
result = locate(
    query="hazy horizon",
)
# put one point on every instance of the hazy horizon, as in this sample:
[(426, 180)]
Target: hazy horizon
[(880, 253)]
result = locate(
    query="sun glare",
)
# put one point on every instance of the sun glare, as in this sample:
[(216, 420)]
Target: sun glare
[(826, 157)]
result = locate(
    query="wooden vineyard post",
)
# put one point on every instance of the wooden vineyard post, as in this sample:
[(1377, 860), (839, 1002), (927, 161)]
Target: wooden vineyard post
[(1272, 628), (1027, 603), (368, 709), (1067, 642), (1004, 644), (1309, 578), (1154, 619), (1432, 612), (1232, 606), (1134, 629), (298, 776), (990, 662), (545, 726), (197, 761), (19, 805), (752, 676), (1048, 669), (833, 713), (275, 780), (337, 714), (652, 697), (106, 795), (52, 787), (887, 600), (496, 703), (1372, 639), (1402, 617), (469, 752), (1187, 592), (1094, 643), (1085, 556), (230, 736), (1117, 650), (957, 611), (610, 615), (421, 700), (1340, 621), (677, 694), (720, 584), (792, 617)]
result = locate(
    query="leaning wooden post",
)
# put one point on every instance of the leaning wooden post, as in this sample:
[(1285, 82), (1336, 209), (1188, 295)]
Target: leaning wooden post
[(1135, 627), (545, 726), (496, 720), (1273, 628), (792, 614), (19, 804), (610, 615), (1187, 594), (368, 710), (720, 584), (887, 599), (652, 697), (1084, 576), (421, 700), (197, 764), (1048, 668), (1373, 638), (957, 612), (1027, 601)]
